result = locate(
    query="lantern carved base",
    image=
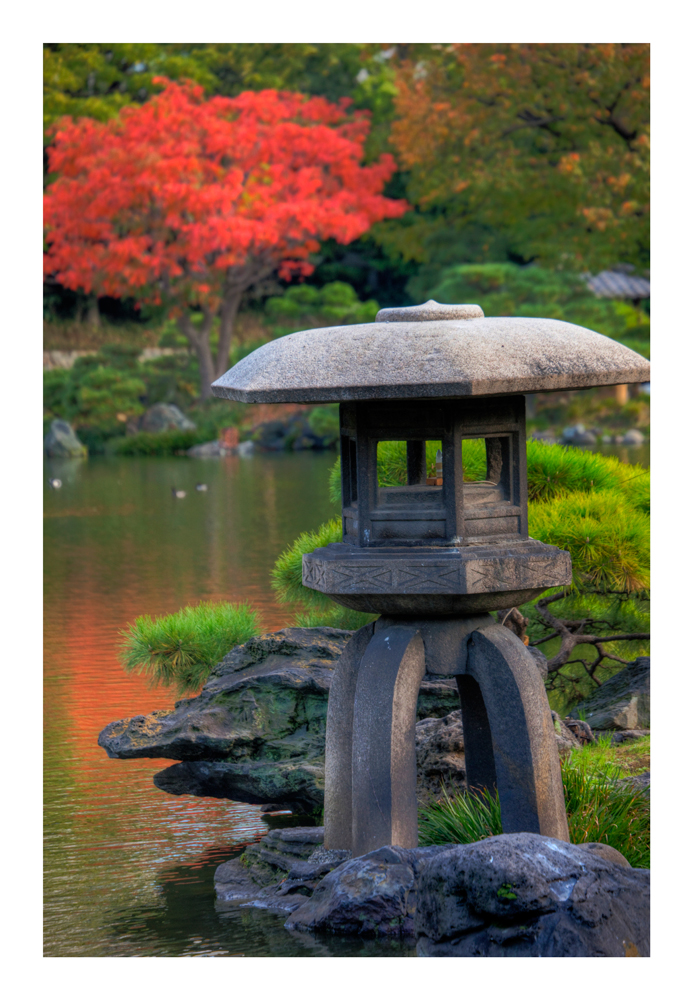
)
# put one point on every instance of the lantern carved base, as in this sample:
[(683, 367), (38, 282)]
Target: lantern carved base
[(370, 761), (436, 581)]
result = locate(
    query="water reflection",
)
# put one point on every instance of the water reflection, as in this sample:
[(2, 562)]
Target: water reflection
[(128, 869), (117, 545)]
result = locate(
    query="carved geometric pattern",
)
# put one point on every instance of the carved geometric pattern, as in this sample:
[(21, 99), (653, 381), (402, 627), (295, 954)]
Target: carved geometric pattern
[(466, 573)]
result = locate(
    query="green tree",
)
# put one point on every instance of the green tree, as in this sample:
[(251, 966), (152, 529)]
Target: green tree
[(527, 151)]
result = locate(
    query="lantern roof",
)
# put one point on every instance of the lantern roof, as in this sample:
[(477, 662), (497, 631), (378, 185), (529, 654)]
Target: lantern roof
[(428, 351)]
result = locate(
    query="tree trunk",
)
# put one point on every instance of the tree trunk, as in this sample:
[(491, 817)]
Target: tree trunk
[(199, 338), (229, 311), (93, 314)]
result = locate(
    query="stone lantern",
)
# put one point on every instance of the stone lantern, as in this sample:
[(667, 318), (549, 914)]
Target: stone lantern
[(435, 556)]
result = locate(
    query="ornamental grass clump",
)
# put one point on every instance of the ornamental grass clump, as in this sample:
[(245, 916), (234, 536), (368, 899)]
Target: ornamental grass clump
[(180, 649), (600, 809)]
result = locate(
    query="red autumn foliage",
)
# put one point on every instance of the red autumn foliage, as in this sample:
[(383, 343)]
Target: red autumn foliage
[(189, 202)]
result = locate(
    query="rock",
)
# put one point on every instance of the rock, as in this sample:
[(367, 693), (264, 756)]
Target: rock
[(627, 735), (524, 895), (256, 732), (580, 730), (578, 434), (634, 436), (439, 756), (210, 449), (165, 417), (548, 436), (246, 448), (295, 785), (279, 872), (62, 442), (637, 782), (372, 896), (295, 434), (565, 739), (267, 698), (606, 852), (540, 660), (622, 702), (570, 432)]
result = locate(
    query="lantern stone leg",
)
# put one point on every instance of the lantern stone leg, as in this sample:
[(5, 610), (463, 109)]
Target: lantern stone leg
[(339, 741), (370, 752), (370, 760), (509, 739), (384, 751)]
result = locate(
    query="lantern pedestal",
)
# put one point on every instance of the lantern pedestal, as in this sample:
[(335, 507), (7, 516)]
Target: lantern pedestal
[(370, 758), (436, 581)]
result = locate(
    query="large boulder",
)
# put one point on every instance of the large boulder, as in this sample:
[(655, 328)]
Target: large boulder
[(62, 442), (256, 731), (286, 784), (515, 895), (279, 872), (622, 702), (371, 896), (524, 895), (165, 417)]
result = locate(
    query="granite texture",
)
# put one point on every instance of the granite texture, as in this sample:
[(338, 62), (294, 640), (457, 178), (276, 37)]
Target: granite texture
[(420, 582), (524, 895), (430, 358), (429, 311), (622, 702)]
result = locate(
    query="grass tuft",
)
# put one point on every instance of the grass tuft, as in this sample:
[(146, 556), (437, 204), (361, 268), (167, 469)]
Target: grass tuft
[(181, 649), (598, 808)]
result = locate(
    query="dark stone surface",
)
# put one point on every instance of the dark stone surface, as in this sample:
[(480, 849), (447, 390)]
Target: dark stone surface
[(291, 784), (427, 582), (509, 733), (581, 730), (384, 744), (566, 740), (268, 695), (449, 511), (62, 442), (165, 417), (622, 702), (523, 895), (440, 756), (293, 434), (372, 896), (256, 732), (279, 872)]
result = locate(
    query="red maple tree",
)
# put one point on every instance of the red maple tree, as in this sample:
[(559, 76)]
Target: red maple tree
[(189, 202)]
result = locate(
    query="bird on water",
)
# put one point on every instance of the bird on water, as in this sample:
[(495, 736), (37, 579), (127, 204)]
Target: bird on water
[(202, 487), (178, 494), (55, 484)]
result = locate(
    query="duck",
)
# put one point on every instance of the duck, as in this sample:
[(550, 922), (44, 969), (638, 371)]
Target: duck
[(178, 494), (202, 487), (55, 484)]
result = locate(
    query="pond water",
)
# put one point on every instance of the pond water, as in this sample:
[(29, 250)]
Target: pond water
[(128, 868)]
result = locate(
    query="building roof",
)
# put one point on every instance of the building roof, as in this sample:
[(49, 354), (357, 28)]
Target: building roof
[(428, 351), (617, 285)]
